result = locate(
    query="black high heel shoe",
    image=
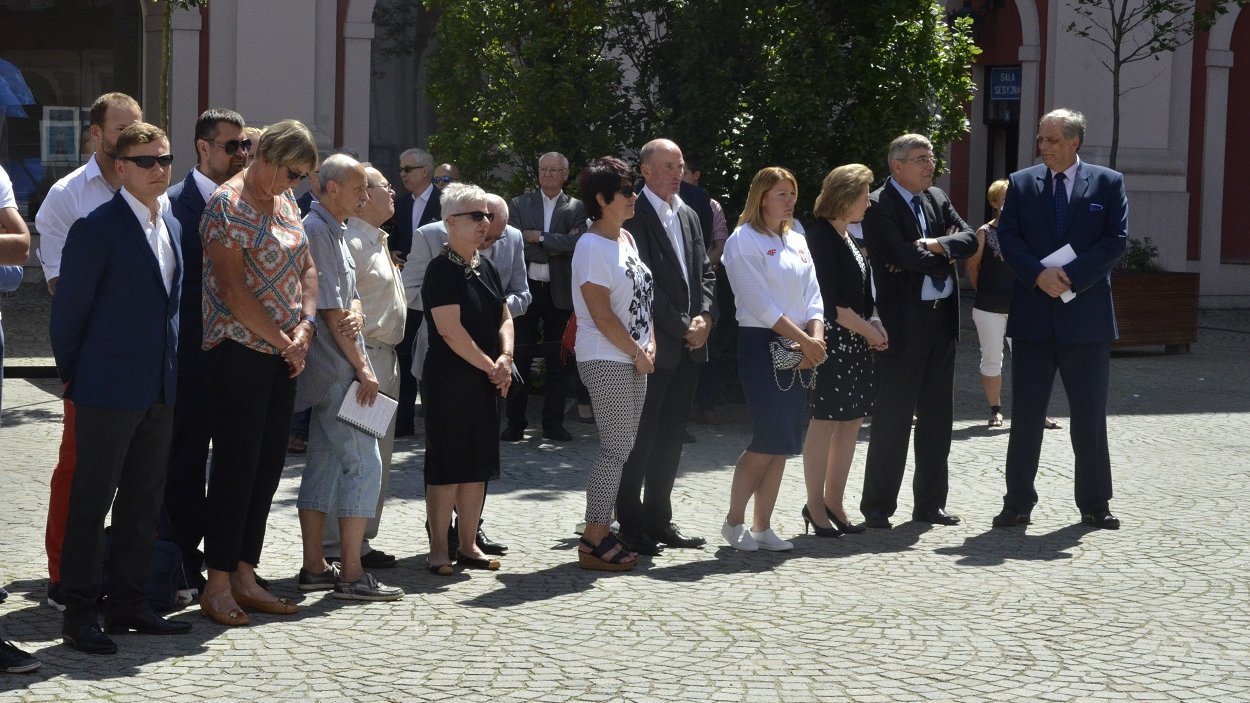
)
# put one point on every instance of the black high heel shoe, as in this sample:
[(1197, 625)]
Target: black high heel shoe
[(820, 531), (842, 526)]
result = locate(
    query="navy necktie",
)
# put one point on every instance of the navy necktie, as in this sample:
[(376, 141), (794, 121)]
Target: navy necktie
[(939, 282), (1061, 203)]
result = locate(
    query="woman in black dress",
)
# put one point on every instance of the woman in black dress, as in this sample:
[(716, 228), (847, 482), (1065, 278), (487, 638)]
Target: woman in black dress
[(468, 365), (843, 392)]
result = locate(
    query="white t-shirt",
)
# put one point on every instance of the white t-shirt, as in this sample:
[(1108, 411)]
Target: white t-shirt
[(615, 265), (7, 199), (772, 276)]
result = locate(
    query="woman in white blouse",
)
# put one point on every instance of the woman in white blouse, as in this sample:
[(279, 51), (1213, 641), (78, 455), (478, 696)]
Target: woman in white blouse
[(774, 283)]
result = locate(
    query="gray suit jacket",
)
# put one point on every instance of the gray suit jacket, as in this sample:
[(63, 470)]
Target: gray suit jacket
[(506, 254), (568, 221)]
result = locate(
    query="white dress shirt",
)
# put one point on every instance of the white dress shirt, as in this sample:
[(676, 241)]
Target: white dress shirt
[(418, 205), (537, 271), (157, 234), (204, 183), (671, 223), (72, 197)]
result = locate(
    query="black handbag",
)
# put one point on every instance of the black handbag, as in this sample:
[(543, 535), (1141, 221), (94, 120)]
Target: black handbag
[(787, 357)]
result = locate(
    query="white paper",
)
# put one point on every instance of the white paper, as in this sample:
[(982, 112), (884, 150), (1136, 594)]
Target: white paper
[(372, 419), (1059, 257)]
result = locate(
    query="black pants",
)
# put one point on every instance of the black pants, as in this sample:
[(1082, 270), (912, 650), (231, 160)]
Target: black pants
[(122, 457), (1085, 370), (919, 380), (542, 314), (183, 515), (406, 414), (653, 463), (251, 398)]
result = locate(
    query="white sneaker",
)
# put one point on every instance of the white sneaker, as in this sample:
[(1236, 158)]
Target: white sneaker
[(770, 541), (739, 537)]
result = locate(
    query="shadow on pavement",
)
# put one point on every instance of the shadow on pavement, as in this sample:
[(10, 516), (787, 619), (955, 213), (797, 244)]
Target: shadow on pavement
[(995, 547)]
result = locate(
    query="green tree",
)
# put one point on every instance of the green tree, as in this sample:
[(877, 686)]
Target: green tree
[(1130, 31)]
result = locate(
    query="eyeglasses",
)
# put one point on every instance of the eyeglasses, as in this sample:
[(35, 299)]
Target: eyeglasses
[(552, 171), (477, 215), (922, 160), (441, 180), (627, 191), (383, 186), (232, 147), (149, 161), (407, 169), (294, 176)]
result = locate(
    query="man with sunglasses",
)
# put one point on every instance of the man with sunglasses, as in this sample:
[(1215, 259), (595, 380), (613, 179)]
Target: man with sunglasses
[(914, 237), (445, 175), (114, 333)]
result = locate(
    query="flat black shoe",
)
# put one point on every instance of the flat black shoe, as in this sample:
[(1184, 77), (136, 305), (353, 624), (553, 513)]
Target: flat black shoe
[(87, 637), (1101, 519), (877, 521), (512, 433), (639, 544), (475, 563), (489, 546), (937, 516), (145, 622), (377, 559), (844, 527), (1010, 518), (672, 536), (558, 433)]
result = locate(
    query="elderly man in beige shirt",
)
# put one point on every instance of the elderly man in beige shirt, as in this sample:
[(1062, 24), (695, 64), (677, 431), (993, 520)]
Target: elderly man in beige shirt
[(385, 308)]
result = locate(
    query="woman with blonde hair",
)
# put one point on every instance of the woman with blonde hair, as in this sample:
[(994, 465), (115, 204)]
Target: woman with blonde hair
[(843, 392), (780, 310)]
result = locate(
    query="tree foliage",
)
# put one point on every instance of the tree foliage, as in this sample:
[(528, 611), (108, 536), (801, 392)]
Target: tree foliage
[(806, 84), (1129, 31)]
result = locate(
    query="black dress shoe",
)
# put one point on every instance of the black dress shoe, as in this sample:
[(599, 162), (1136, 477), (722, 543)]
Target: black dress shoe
[(637, 542), (145, 622), (877, 521), (558, 433), (1101, 519), (937, 516), (671, 536), (1010, 518), (489, 546), (376, 559), (86, 636), (512, 433)]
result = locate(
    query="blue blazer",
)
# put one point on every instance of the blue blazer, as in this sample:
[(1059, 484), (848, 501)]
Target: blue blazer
[(1097, 229), (114, 329), (187, 205)]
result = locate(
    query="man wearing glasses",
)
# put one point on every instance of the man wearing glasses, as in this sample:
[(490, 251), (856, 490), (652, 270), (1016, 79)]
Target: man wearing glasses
[(550, 222), (419, 206), (914, 236), (445, 175), (221, 151), (114, 333)]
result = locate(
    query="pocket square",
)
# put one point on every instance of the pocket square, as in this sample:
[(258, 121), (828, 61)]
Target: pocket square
[(1095, 207)]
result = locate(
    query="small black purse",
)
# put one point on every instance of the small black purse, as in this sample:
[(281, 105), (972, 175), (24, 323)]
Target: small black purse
[(787, 357)]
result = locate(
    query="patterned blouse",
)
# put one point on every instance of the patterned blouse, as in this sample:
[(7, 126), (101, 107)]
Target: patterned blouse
[(273, 248)]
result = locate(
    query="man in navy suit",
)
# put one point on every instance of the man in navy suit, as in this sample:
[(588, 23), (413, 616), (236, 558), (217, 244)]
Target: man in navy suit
[(221, 150), (1063, 202), (114, 333)]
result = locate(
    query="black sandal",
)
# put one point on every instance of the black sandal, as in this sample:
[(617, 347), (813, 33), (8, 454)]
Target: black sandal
[(608, 555), (996, 416)]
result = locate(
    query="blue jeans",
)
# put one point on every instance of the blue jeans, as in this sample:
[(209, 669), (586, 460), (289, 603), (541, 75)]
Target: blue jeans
[(344, 471)]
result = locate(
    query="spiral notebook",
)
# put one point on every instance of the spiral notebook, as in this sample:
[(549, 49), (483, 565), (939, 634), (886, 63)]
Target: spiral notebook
[(370, 419)]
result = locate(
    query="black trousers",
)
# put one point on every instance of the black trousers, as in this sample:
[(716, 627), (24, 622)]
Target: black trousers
[(652, 465), (542, 314), (251, 398), (919, 380), (1085, 370), (406, 414), (122, 457), (184, 514)]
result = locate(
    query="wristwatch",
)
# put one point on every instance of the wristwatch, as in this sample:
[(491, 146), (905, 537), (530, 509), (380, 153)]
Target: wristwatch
[(312, 322)]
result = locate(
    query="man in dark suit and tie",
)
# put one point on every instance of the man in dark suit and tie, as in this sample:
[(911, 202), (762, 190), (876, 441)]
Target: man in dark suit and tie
[(670, 242), (419, 206), (221, 150), (550, 222), (1063, 228), (913, 236), (114, 333)]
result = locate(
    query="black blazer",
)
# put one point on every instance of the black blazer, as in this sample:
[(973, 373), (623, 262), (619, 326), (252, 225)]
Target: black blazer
[(842, 284), (187, 205), (891, 232), (399, 230), (679, 295)]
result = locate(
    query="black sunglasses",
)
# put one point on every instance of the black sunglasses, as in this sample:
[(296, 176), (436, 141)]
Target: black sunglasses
[(149, 161), (406, 169), (293, 176), (477, 215), (441, 180), (232, 147), (627, 191)]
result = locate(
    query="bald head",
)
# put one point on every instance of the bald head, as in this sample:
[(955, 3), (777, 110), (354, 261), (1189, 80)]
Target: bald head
[(499, 208), (662, 167)]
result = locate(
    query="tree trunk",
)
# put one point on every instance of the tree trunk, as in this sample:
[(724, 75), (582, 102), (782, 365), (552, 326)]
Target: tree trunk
[(166, 59), (1115, 116)]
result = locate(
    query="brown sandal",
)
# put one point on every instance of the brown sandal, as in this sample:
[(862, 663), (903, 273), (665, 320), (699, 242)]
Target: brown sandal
[(235, 618), (282, 606)]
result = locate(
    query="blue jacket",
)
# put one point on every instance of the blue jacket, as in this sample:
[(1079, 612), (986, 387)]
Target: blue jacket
[(114, 328), (1097, 229), (187, 205)]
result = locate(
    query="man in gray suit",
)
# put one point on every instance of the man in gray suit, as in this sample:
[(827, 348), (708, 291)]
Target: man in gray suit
[(550, 221)]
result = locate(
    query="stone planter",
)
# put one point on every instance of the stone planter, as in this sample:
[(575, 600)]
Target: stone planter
[(1156, 308)]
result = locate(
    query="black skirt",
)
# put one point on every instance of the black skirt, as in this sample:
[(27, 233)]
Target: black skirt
[(844, 388)]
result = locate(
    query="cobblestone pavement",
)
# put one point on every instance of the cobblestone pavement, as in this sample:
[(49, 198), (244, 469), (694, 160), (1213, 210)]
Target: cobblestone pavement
[(1156, 611)]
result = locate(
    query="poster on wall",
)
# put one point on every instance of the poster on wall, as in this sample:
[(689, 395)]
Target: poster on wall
[(59, 132)]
